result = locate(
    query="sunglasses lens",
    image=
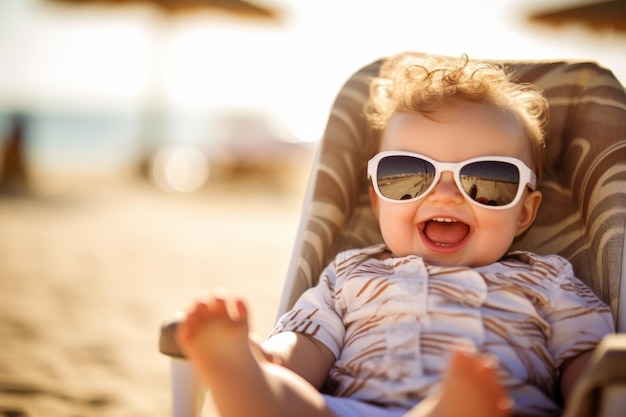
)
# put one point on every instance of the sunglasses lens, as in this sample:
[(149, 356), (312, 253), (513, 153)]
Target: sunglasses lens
[(402, 177), (491, 183)]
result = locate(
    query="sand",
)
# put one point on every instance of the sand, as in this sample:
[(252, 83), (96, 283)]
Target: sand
[(87, 275)]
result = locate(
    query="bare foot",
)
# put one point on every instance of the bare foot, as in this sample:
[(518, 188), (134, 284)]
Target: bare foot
[(470, 389), (241, 378), (214, 336)]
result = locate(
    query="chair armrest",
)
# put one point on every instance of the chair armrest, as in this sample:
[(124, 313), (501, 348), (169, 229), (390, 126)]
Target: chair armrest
[(602, 388), (167, 339)]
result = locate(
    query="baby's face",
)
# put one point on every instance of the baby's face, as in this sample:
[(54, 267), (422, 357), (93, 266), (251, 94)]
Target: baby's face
[(444, 227)]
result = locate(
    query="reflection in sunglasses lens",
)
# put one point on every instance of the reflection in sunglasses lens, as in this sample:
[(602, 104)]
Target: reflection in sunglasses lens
[(403, 177), (492, 183)]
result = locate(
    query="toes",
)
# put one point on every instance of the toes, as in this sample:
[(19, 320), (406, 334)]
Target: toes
[(227, 307), (197, 314), (227, 312), (192, 319), (462, 363), (241, 310), (473, 365), (217, 305), (483, 368)]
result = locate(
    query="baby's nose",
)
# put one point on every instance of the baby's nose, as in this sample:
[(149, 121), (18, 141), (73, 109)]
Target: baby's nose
[(446, 190)]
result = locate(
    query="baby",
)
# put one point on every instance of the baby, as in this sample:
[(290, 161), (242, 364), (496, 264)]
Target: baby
[(441, 319)]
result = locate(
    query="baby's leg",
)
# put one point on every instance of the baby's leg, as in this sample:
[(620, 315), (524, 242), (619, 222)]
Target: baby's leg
[(214, 337), (470, 389)]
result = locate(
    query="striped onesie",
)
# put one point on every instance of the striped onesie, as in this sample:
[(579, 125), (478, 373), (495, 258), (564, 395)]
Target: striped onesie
[(392, 322)]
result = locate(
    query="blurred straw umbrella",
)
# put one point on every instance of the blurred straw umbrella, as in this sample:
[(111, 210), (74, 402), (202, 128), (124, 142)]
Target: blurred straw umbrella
[(166, 21), (240, 8), (171, 10), (598, 15)]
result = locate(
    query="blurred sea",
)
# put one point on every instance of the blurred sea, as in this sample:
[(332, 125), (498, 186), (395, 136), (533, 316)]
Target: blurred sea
[(97, 143), (62, 150)]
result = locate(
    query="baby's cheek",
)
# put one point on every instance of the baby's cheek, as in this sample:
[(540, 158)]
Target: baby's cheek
[(397, 221), (495, 236)]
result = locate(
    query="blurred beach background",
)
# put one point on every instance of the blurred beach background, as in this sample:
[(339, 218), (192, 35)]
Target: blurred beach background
[(153, 151)]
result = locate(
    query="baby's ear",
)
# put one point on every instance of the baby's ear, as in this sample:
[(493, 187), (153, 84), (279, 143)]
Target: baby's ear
[(373, 200), (529, 211)]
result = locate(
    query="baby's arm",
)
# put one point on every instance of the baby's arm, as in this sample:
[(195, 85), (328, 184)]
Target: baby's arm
[(302, 354), (571, 371)]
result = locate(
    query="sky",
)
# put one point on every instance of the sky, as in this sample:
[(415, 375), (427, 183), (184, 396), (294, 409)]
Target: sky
[(127, 59)]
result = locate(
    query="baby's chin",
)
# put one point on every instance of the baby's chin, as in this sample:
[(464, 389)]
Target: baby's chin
[(451, 260)]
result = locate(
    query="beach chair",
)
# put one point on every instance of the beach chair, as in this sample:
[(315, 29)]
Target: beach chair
[(582, 217)]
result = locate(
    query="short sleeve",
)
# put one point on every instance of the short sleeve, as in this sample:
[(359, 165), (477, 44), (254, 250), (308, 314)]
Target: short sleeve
[(579, 319), (315, 314)]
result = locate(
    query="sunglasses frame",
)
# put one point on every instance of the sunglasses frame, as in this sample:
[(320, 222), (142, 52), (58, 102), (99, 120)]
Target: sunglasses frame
[(527, 176)]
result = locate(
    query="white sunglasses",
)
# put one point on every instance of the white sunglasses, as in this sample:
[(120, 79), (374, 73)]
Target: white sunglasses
[(495, 182)]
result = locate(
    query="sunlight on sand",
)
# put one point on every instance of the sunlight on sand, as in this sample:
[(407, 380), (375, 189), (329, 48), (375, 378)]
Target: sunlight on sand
[(86, 279)]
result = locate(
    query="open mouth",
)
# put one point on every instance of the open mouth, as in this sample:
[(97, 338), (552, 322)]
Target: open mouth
[(445, 231)]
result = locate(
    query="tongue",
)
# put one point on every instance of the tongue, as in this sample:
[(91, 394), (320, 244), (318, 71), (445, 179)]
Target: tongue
[(445, 233)]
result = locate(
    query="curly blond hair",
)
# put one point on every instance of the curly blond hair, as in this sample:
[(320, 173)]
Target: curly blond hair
[(420, 83)]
